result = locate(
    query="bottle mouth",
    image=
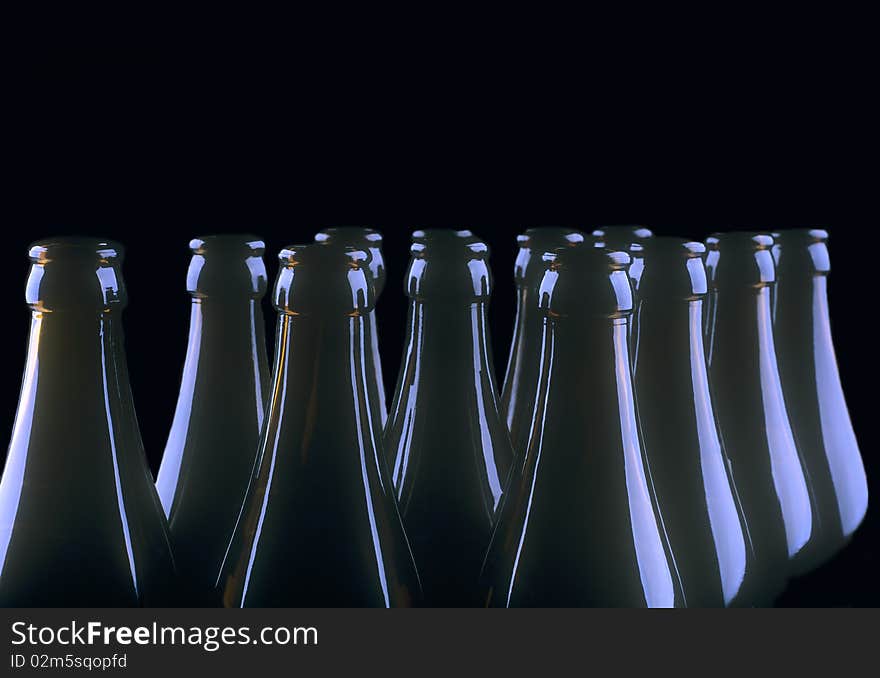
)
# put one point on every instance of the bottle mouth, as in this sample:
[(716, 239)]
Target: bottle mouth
[(356, 236), (431, 234), (447, 242), (741, 257), (588, 281), (233, 244), (227, 266), (747, 240), (591, 259), (323, 254), (673, 268), (800, 235), (548, 238), (76, 248), (75, 274), (668, 247), (449, 265), (322, 278), (621, 237), (360, 238)]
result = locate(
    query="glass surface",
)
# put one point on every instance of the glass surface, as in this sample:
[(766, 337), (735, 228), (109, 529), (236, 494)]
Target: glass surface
[(319, 525), (813, 392), (80, 521), (450, 447), (750, 406), (689, 466), (578, 527), (211, 450)]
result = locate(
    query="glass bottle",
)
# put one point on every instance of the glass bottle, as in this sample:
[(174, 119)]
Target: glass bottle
[(211, 448), (319, 526), (750, 406), (537, 246), (813, 392), (445, 432), (689, 467), (370, 241), (580, 527), (80, 522)]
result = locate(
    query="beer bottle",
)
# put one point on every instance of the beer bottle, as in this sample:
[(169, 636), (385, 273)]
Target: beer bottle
[(749, 403), (319, 526), (212, 445), (445, 432), (580, 526), (689, 467), (813, 392), (80, 521)]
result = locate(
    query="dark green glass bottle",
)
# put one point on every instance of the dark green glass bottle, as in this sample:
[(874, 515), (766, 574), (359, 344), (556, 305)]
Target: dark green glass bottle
[(537, 248), (750, 406), (450, 446), (580, 527), (370, 241), (319, 525), (80, 521), (211, 450), (813, 392), (689, 467)]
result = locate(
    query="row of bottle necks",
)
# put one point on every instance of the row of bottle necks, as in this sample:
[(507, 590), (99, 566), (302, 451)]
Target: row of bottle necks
[(671, 430)]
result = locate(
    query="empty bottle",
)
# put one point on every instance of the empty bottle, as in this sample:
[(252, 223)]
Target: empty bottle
[(370, 241), (689, 466), (319, 526), (450, 447), (80, 522), (537, 247), (580, 527), (750, 406), (813, 392), (212, 445)]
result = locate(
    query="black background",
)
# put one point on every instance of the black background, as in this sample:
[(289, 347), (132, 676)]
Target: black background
[(152, 147)]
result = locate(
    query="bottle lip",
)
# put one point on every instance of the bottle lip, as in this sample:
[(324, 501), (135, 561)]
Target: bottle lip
[(82, 247), (245, 244), (323, 279), (634, 232), (796, 235), (753, 240), (355, 235), (670, 245), (301, 254), (441, 234), (447, 242), (593, 257), (549, 238)]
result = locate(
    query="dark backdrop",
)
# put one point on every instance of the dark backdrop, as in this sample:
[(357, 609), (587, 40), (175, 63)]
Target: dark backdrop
[(151, 148)]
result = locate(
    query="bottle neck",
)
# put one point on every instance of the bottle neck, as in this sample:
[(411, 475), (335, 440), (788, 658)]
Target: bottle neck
[(75, 380), (67, 350), (451, 338), (669, 325), (232, 329), (322, 360), (321, 416), (738, 315)]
